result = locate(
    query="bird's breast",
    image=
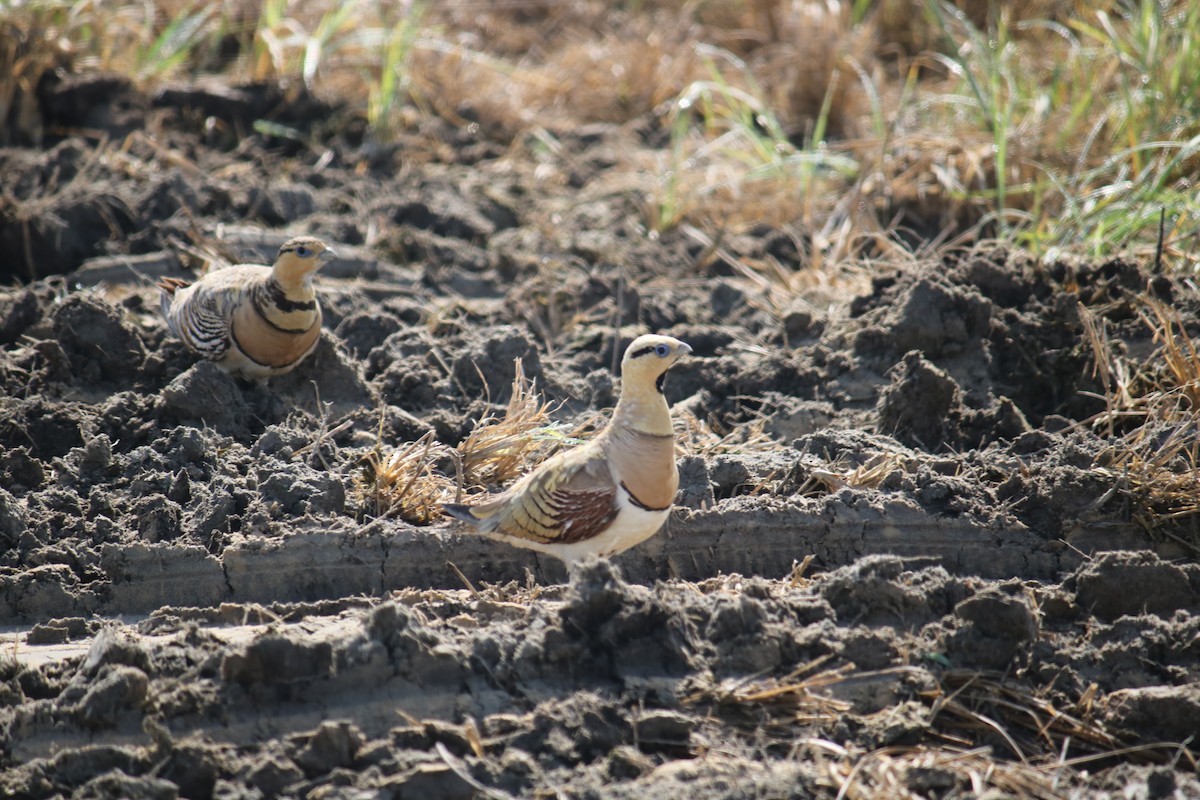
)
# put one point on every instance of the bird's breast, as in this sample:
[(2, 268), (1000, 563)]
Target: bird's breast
[(275, 340), (644, 465)]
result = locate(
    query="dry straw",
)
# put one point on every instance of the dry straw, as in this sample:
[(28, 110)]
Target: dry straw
[(915, 773), (709, 438), (501, 449), (868, 475), (411, 483), (775, 706), (405, 484), (970, 707), (1152, 416)]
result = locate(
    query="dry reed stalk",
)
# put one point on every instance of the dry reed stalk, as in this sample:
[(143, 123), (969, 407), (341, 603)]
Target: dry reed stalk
[(405, 484), (968, 705), (498, 450), (1152, 409), (775, 706)]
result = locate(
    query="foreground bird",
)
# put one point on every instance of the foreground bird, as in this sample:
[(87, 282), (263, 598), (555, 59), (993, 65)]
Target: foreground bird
[(252, 320), (609, 494)]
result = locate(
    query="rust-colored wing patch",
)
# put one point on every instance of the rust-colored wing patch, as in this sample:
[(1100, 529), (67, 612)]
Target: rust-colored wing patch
[(562, 517), (570, 499)]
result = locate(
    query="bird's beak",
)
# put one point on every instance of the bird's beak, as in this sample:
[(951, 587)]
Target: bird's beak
[(684, 348), (328, 254)]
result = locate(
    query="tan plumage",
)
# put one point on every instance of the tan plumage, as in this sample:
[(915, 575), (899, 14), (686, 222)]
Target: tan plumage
[(604, 496), (252, 320)]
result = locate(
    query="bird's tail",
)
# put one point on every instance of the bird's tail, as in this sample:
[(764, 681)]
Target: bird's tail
[(167, 289), (467, 514), (172, 285)]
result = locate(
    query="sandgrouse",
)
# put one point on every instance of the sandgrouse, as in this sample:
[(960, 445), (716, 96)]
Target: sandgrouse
[(252, 320), (609, 494)]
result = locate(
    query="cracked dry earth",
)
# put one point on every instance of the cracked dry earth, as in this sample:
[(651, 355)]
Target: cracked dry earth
[(197, 604)]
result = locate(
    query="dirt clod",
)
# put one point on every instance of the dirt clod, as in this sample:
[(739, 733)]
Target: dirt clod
[(1116, 584)]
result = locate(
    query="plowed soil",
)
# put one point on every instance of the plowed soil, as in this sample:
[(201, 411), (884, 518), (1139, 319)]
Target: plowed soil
[(915, 573)]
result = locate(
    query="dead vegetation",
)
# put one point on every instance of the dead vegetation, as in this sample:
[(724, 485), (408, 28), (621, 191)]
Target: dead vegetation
[(919, 772), (869, 128), (406, 484), (30, 47), (969, 708), (499, 450), (708, 438), (411, 483), (775, 707), (1152, 416), (970, 730), (828, 478), (983, 732)]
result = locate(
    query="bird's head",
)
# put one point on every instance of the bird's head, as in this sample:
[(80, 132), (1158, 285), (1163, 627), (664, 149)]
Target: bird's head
[(300, 257), (647, 360)]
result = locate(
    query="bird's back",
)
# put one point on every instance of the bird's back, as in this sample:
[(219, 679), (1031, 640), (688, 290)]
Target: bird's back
[(219, 290), (225, 317)]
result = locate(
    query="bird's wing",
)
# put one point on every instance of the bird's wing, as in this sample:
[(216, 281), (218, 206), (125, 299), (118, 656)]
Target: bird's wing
[(570, 498), (200, 314)]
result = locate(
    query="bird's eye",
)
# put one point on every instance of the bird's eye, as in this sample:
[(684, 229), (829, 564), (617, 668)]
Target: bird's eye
[(303, 251), (662, 350)]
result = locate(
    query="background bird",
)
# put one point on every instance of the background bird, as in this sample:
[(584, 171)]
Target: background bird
[(609, 494), (252, 320)]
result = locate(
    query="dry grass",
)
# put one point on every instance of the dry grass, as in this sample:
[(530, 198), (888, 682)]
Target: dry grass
[(969, 708), (30, 47), (1152, 416), (868, 475), (915, 773), (1180, 363), (698, 437), (410, 484), (868, 128), (405, 484), (499, 450), (813, 475), (775, 707), (612, 79), (817, 55), (983, 733)]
